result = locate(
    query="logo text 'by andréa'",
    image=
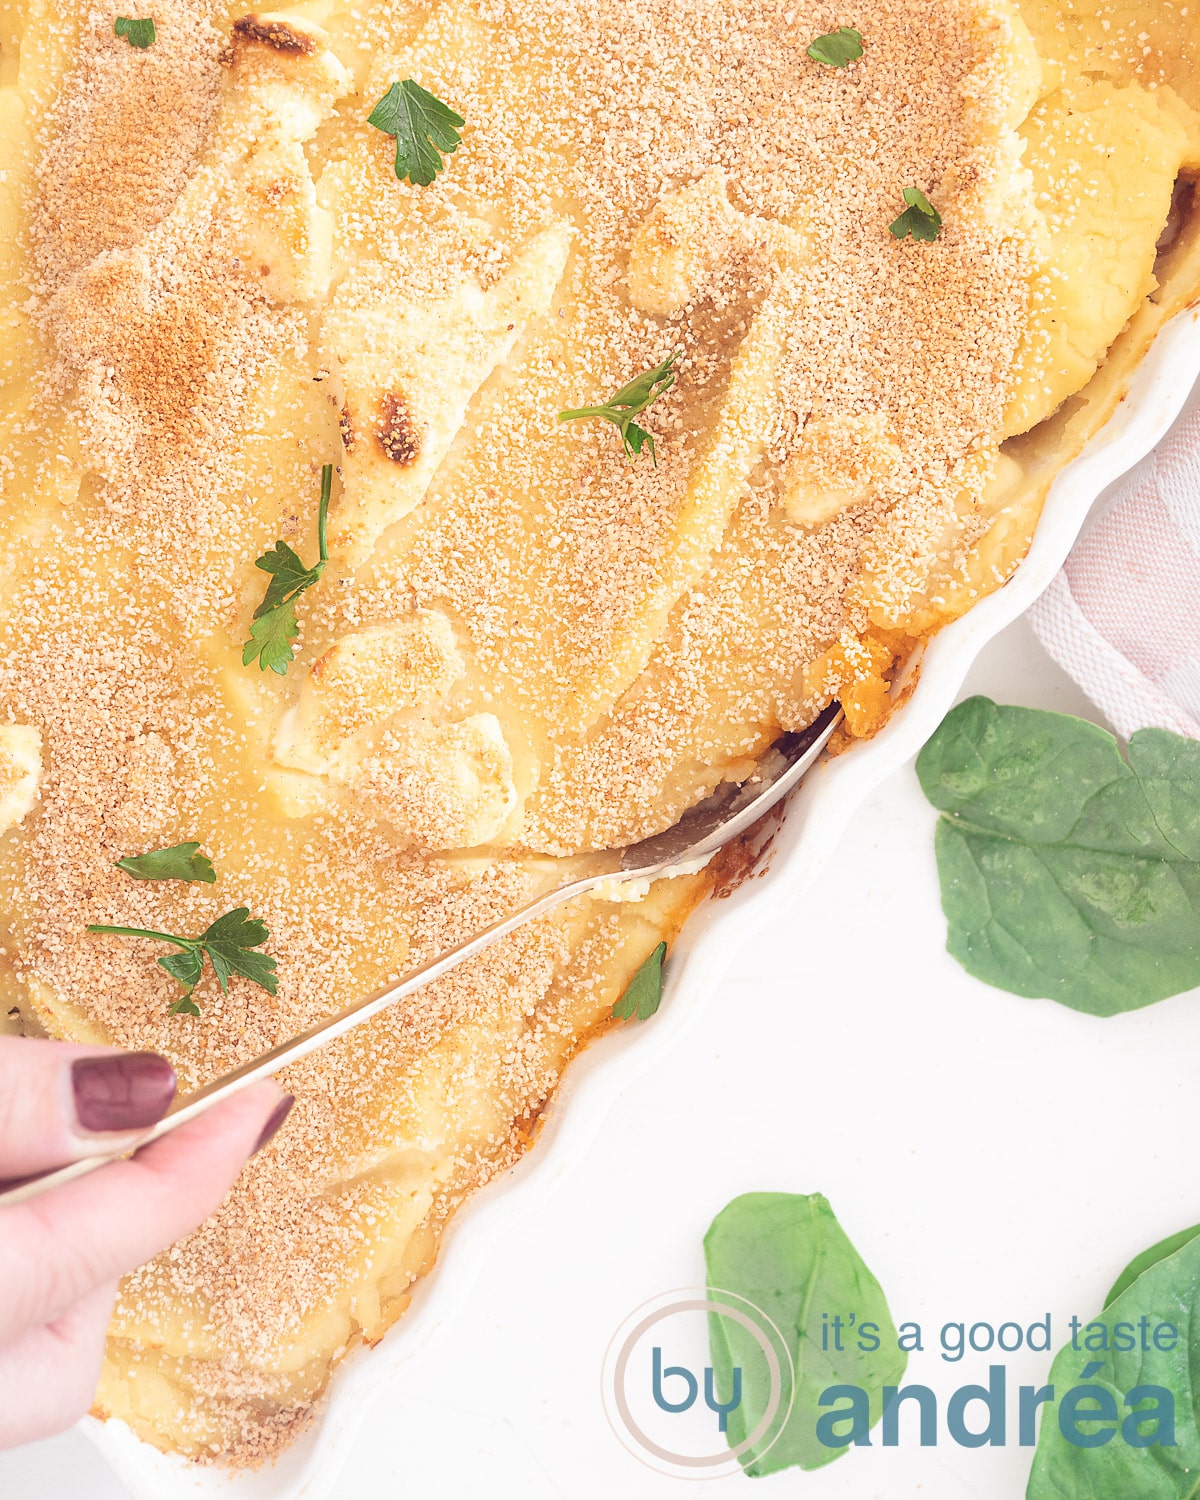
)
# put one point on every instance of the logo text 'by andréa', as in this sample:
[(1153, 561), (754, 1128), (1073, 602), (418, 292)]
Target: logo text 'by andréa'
[(685, 1412), (1089, 1414)]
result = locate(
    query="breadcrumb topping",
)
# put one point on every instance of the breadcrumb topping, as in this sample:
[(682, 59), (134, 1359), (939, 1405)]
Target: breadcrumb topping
[(634, 633)]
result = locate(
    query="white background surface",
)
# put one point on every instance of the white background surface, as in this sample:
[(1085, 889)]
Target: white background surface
[(991, 1157)]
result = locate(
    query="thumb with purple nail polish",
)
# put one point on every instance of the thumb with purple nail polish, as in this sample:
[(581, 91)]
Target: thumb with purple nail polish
[(62, 1256)]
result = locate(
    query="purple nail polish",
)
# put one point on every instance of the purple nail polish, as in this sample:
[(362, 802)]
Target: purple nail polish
[(126, 1091), (278, 1115)]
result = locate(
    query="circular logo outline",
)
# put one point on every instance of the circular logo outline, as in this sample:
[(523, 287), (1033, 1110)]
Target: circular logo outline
[(693, 1299)]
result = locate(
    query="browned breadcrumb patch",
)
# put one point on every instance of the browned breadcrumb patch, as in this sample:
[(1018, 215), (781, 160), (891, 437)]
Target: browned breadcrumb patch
[(124, 140), (188, 387), (271, 33), (396, 434)]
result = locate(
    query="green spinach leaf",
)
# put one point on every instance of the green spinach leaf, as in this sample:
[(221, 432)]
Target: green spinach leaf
[(1167, 1291), (1149, 1258), (787, 1254), (1066, 871)]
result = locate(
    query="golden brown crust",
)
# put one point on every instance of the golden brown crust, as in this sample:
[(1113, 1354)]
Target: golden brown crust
[(272, 32), (397, 435)]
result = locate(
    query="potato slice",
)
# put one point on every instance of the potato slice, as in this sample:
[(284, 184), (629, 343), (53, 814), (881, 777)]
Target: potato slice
[(365, 678), (838, 462), (20, 772), (687, 236), (688, 233), (285, 82), (441, 787), (410, 368), (1101, 155), (740, 436)]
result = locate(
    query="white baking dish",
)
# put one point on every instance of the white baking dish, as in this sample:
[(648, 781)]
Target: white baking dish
[(815, 818)]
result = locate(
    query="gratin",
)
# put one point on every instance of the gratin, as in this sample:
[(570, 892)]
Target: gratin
[(527, 644)]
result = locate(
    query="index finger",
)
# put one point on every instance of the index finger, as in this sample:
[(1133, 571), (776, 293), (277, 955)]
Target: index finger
[(60, 1101)]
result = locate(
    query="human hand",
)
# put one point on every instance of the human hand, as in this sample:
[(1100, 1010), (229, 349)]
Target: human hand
[(61, 1254)]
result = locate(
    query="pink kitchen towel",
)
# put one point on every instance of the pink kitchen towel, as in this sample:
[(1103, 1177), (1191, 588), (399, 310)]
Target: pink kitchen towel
[(1123, 616)]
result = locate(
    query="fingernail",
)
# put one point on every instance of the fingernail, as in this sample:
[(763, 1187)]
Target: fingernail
[(123, 1092), (278, 1115)]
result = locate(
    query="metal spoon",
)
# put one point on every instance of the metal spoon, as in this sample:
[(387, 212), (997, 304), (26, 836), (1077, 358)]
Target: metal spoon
[(729, 812)]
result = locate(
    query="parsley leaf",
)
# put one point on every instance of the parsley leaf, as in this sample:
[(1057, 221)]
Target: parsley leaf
[(137, 33), (228, 944), (920, 218), (275, 627), (179, 862), (187, 967), (644, 991), (289, 577), (271, 640), (629, 402), (424, 128), (837, 48)]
